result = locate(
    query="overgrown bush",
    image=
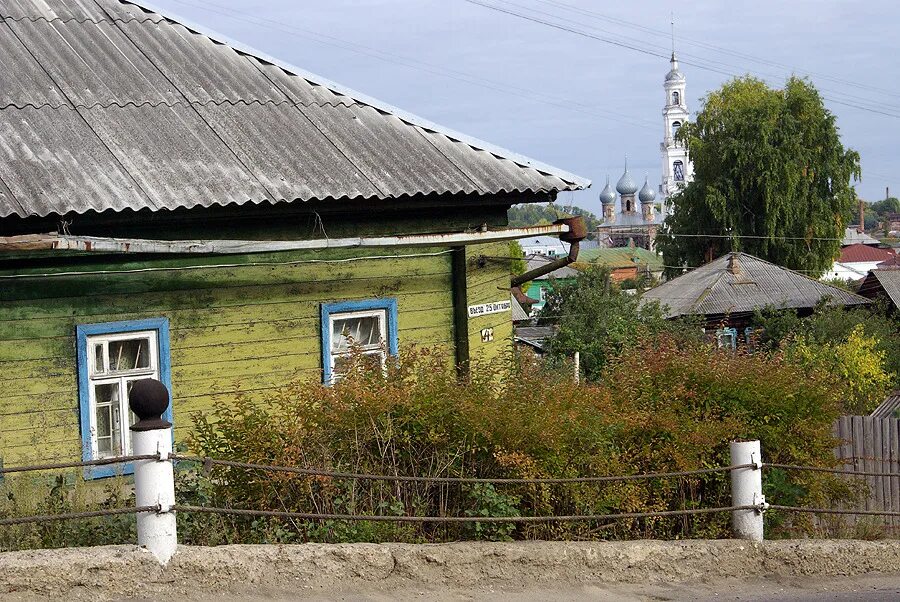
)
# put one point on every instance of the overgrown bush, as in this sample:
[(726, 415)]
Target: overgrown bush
[(664, 405), (28, 495), (833, 326), (597, 319)]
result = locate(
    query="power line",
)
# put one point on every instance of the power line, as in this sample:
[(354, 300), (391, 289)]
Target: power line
[(631, 46), (714, 48), (420, 65)]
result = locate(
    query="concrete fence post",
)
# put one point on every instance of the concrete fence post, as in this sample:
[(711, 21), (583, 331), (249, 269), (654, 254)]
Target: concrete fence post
[(746, 490), (577, 367), (154, 480)]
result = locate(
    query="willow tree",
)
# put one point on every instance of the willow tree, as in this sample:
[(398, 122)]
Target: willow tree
[(771, 178)]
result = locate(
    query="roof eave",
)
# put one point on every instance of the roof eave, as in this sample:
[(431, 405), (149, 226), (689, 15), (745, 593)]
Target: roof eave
[(575, 182)]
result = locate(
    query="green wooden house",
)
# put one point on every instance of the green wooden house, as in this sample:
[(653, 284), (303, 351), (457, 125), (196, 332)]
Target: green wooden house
[(178, 206)]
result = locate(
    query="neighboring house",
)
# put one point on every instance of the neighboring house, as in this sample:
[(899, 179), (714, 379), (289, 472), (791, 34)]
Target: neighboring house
[(889, 408), (548, 246), (856, 260), (883, 283), (533, 338), (726, 292), (625, 263), (222, 222), (542, 286), (853, 236)]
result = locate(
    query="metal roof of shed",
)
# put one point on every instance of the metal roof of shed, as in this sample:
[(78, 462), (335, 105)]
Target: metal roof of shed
[(108, 104), (739, 283), (882, 282)]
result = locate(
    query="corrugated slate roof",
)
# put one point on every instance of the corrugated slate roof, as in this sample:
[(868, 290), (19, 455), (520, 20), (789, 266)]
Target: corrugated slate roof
[(538, 261), (853, 236), (880, 282), (738, 282), (105, 104), (889, 408)]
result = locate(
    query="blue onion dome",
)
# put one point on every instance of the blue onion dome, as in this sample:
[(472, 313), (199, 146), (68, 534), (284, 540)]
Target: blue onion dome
[(626, 185), (647, 195), (607, 196)]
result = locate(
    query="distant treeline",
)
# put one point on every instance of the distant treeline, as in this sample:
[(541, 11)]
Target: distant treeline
[(536, 215)]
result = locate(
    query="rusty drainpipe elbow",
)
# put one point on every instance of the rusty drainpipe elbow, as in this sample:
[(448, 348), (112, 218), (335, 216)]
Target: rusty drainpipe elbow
[(577, 232)]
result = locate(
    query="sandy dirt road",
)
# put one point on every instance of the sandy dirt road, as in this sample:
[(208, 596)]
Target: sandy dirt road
[(519, 571), (873, 588)]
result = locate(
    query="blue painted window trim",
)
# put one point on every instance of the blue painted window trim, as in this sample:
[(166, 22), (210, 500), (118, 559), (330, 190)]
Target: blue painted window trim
[(327, 309), (732, 333), (82, 332)]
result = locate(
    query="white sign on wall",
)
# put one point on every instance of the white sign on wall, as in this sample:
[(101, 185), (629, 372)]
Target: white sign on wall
[(489, 308)]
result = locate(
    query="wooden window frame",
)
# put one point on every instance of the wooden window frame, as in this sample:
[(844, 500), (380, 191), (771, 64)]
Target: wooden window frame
[(160, 367), (349, 309)]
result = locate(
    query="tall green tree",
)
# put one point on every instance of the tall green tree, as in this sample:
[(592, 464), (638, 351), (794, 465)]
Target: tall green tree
[(771, 178)]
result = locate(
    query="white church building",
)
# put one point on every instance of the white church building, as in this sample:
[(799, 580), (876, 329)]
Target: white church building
[(637, 226), (677, 169)]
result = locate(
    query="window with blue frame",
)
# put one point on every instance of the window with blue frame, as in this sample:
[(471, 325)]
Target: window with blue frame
[(726, 338), (365, 327), (111, 357)]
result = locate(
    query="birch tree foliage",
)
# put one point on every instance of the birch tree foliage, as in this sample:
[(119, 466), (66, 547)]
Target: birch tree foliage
[(771, 178)]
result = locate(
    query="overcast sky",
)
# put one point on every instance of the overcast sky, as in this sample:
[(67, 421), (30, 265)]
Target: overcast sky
[(577, 102)]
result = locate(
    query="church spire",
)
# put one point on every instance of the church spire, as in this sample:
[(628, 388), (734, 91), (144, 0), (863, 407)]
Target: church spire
[(673, 37)]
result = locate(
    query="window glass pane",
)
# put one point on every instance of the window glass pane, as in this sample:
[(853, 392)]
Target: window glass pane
[(364, 331), (99, 365), (130, 354), (109, 427)]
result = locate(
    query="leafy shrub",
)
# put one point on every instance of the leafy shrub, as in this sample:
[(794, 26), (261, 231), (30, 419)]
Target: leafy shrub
[(29, 495), (597, 319), (833, 326), (665, 405)]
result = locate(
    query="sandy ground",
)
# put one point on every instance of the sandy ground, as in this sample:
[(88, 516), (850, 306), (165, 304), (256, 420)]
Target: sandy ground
[(521, 571)]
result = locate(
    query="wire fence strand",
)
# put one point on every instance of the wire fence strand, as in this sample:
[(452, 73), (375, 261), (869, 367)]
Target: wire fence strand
[(19, 520), (85, 463), (455, 519), (854, 473), (209, 462), (833, 510)]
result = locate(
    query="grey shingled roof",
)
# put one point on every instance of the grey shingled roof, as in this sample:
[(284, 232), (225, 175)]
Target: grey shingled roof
[(882, 280), (852, 236), (108, 105), (738, 282), (538, 261), (889, 408)]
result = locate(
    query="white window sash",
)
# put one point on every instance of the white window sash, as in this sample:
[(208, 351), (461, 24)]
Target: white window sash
[(379, 349), (120, 378)]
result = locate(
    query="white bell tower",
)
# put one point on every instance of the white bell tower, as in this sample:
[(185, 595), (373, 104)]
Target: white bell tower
[(677, 170)]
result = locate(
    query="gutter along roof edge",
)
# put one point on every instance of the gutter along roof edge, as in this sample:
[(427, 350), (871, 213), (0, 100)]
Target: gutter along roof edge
[(365, 99)]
